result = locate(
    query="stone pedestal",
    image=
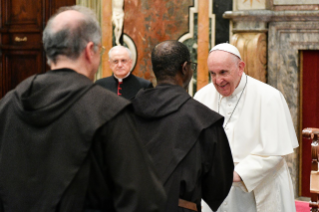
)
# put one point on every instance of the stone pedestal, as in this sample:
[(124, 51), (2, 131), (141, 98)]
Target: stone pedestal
[(253, 50)]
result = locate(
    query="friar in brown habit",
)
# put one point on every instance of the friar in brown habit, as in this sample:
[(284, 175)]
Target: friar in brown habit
[(67, 144), (185, 138)]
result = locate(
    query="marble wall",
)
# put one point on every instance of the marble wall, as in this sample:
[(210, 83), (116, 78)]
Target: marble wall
[(146, 23), (286, 39), (149, 22)]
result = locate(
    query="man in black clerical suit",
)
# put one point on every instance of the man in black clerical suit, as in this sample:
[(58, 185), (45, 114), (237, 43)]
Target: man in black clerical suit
[(67, 144), (185, 138), (123, 82)]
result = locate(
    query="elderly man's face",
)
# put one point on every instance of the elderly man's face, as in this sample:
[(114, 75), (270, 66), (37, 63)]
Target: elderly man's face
[(120, 62), (226, 71)]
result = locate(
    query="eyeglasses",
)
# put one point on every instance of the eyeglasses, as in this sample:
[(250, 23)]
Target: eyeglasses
[(122, 61), (102, 50), (193, 65)]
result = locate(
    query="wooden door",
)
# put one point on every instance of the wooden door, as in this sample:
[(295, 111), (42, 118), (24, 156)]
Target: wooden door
[(21, 50), (309, 112)]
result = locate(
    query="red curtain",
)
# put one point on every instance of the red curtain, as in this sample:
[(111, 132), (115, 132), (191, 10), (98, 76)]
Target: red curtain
[(310, 108)]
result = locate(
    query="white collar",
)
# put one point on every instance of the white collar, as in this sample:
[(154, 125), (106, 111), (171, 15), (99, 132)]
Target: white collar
[(240, 86), (121, 79)]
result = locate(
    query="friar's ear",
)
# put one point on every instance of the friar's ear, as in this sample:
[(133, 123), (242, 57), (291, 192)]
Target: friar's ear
[(184, 70), (89, 51)]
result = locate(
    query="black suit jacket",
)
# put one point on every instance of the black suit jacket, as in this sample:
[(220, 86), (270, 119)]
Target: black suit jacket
[(128, 89)]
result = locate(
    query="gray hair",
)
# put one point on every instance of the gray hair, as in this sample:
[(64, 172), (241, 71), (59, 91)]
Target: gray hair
[(121, 47), (72, 39)]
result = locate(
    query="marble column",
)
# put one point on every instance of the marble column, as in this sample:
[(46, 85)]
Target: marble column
[(148, 23), (203, 43), (107, 32)]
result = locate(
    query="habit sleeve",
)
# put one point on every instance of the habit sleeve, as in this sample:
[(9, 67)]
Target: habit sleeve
[(134, 185), (219, 173)]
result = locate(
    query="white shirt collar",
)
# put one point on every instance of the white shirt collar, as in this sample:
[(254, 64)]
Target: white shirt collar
[(121, 79)]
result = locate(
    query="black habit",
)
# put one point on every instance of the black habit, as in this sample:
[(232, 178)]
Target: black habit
[(67, 144), (188, 145), (128, 88)]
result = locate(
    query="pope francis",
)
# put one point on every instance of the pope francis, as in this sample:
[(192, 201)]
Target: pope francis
[(260, 133)]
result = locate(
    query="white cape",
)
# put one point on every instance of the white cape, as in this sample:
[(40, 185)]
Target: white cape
[(261, 135), (264, 126)]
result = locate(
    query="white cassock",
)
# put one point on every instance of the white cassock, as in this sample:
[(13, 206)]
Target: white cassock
[(260, 132)]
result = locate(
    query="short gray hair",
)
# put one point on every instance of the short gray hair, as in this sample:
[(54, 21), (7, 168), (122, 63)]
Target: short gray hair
[(121, 47), (71, 40)]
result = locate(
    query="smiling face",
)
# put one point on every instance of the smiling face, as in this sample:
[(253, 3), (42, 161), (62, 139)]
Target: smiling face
[(120, 62), (225, 70)]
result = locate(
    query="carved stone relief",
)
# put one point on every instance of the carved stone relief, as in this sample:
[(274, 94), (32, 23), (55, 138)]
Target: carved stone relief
[(253, 49), (118, 21)]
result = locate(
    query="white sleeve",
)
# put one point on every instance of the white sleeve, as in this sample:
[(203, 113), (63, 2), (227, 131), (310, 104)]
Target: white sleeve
[(255, 168)]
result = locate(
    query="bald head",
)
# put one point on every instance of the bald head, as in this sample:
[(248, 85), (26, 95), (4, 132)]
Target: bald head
[(68, 32), (67, 19), (168, 58), (122, 49)]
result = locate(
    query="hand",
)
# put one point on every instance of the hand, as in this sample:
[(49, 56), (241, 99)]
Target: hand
[(236, 177)]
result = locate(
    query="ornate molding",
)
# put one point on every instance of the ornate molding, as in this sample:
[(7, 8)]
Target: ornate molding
[(213, 23), (190, 34), (294, 2), (253, 49), (131, 46), (271, 16)]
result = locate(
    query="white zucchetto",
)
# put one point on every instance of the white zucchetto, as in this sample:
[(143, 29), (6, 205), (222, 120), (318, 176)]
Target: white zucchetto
[(226, 47)]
